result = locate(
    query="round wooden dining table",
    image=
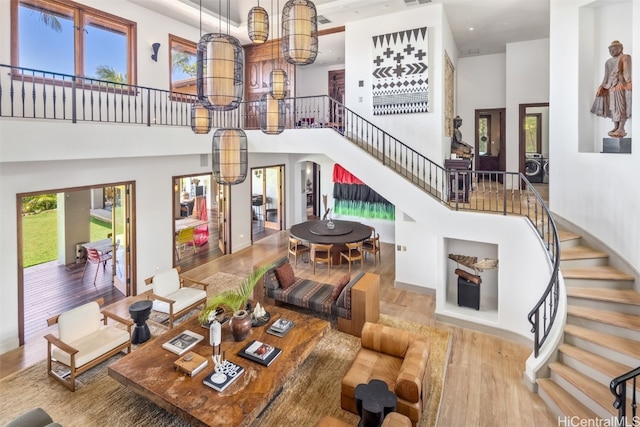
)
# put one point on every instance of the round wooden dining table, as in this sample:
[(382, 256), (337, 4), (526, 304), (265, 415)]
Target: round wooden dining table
[(342, 232)]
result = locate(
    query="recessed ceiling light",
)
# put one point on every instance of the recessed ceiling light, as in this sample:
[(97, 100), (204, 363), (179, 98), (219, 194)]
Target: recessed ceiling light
[(471, 28)]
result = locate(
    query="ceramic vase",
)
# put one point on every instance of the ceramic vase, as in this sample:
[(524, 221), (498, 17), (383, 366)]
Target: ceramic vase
[(240, 325)]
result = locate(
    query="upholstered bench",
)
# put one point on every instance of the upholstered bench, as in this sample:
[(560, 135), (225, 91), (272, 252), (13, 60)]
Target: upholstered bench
[(354, 300)]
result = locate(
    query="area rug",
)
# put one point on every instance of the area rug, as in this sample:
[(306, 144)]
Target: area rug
[(312, 392)]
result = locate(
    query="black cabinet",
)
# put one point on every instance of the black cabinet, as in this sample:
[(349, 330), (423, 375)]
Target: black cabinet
[(468, 294), (459, 171)]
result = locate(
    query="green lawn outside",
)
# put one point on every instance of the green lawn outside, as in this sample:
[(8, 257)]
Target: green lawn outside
[(40, 236)]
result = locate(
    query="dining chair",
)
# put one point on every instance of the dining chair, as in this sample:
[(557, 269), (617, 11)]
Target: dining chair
[(372, 246), (352, 253), (185, 237), (322, 254), (296, 248), (95, 257)]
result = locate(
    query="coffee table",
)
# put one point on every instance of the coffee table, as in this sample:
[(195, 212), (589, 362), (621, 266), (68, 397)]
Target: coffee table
[(149, 371)]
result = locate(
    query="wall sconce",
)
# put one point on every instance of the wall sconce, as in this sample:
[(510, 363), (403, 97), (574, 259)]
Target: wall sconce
[(155, 47)]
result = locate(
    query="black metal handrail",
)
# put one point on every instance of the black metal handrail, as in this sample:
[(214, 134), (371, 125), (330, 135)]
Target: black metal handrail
[(30, 93), (618, 387)]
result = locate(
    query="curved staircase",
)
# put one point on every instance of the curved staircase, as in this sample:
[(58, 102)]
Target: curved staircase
[(601, 336)]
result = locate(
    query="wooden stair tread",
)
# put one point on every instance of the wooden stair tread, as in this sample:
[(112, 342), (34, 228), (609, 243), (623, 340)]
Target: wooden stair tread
[(565, 235), (623, 320), (581, 252), (604, 272), (623, 345), (596, 391), (624, 296), (610, 368), (569, 405)]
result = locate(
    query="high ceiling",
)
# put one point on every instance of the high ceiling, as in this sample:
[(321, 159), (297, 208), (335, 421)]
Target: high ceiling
[(479, 27)]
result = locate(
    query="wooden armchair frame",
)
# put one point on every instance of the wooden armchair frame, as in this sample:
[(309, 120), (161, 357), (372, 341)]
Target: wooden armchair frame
[(321, 249), (71, 351), (183, 279), (296, 247), (352, 254)]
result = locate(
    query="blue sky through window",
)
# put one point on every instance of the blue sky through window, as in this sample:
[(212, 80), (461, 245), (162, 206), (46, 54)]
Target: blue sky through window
[(43, 48)]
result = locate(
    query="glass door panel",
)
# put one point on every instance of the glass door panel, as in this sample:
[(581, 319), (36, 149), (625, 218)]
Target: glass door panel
[(121, 238)]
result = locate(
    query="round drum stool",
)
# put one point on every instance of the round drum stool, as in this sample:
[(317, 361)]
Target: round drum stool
[(139, 312)]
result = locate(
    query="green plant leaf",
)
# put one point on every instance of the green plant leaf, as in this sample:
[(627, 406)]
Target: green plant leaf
[(235, 299)]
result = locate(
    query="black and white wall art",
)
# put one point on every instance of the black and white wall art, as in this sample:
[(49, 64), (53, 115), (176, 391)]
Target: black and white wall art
[(400, 72)]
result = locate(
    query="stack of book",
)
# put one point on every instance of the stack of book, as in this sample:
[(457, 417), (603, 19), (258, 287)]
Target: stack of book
[(280, 327), (183, 342), (191, 363), (223, 376), (260, 352)]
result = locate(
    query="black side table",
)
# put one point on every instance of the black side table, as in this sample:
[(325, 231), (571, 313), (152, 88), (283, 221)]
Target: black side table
[(374, 401), (139, 312)]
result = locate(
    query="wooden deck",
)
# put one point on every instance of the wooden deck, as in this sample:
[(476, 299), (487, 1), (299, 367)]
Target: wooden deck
[(50, 289)]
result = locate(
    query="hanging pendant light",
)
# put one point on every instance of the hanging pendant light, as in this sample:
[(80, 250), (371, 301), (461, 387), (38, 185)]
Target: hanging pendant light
[(258, 24), (271, 108), (278, 83), (230, 156), (201, 118), (219, 71), (299, 32), (278, 76), (271, 114)]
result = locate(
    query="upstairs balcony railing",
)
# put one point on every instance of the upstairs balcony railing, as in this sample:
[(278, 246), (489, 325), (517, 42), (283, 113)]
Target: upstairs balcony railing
[(35, 94)]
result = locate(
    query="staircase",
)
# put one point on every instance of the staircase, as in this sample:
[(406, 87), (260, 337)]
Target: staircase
[(601, 336)]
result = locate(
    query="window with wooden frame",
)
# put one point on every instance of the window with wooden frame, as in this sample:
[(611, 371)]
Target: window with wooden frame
[(183, 61), (65, 37), (533, 133)]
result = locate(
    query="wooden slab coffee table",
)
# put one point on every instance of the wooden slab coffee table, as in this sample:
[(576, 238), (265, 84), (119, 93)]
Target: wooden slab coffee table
[(149, 371)]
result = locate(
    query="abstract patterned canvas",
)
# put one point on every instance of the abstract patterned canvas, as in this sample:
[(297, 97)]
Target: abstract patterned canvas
[(400, 72)]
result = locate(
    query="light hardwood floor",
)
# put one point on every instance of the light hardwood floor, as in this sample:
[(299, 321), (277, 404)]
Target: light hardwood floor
[(483, 384)]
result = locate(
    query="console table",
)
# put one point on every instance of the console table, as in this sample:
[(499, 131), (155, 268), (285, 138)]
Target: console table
[(459, 171)]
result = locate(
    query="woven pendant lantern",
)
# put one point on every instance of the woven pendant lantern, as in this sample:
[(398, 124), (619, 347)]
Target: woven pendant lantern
[(219, 71), (230, 156), (299, 32), (278, 83), (258, 24), (201, 118), (271, 115)]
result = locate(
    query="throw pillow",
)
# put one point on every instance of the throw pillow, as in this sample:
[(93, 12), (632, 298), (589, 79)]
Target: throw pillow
[(337, 289), (285, 274)]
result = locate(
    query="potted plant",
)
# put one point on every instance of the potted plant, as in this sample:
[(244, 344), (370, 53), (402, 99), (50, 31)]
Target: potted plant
[(235, 301)]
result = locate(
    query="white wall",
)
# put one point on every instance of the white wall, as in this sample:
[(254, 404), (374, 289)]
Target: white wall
[(527, 82), (314, 80), (597, 192), (519, 76), (421, 131), (480, 81)]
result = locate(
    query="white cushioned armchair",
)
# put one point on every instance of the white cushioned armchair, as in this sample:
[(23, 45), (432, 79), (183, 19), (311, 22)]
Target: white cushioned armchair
[(171, 294), (85, 340)]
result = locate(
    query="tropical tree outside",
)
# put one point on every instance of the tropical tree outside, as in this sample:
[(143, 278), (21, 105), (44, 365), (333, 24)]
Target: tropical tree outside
[(183, 61), (105, 72)]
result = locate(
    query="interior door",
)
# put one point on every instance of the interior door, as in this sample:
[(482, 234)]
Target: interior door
[(121, 238), (224, 215), (273, 194), (490, 140)]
